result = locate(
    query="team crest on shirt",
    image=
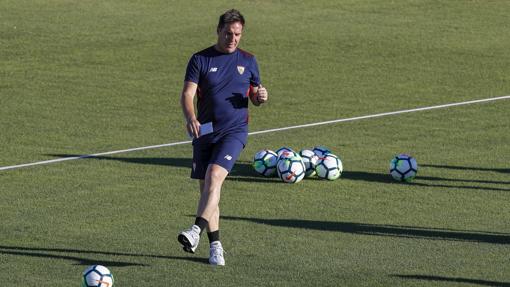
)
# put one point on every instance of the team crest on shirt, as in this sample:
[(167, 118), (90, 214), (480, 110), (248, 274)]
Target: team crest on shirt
[(240, 69)]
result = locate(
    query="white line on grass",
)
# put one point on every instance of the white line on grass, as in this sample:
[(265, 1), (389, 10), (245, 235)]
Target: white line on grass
[(261, 132), (382, 115), (91, 155)]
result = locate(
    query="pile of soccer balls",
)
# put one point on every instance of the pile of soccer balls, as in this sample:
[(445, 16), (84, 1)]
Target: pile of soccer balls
[(292, 167)]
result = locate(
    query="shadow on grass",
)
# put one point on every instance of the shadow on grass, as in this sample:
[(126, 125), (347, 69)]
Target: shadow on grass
[(386, 178), (453, 279), (502, 170), (384, 230), (242, 171), (165, 161), (51, 253)]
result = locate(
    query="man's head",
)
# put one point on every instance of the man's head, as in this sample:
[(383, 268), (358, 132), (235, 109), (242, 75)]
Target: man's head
[(230, 28)]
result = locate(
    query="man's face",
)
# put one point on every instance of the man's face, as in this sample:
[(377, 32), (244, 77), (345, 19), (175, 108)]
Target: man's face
[(229, 37)]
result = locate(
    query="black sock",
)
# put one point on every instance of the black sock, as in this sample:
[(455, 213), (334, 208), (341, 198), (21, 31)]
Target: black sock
[(202, 223), (213, 236)]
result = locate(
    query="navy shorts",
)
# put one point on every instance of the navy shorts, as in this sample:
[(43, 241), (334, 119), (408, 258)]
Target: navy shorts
[(225, 152)]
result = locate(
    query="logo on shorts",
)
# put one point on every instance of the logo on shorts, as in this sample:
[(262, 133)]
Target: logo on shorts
[(194, 166), (228, 157), (240, 69)]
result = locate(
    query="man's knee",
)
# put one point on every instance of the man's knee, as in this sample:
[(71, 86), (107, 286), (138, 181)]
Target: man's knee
[(216, 173)]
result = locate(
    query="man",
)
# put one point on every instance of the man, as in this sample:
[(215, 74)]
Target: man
[(223, 77)]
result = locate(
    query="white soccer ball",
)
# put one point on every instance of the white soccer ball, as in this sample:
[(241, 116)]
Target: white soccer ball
[(291, 169), (321, 151), (310, 160), (403, 167), (285, 152), (97, 276), (329, 167), (264, 162)]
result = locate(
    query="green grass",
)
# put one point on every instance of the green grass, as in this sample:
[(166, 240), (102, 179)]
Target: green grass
[(81, 77)]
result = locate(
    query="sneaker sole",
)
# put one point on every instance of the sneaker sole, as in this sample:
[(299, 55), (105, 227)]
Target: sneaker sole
[(217, 264), (186, 245)]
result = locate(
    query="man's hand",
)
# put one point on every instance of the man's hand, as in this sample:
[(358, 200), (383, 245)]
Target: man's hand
[(193, 127), (262, 95)]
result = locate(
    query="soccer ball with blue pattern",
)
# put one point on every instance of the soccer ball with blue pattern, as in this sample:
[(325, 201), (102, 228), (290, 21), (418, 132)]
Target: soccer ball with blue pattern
[(321, 151), (264, 162), (329, 167), (403, 167), (310, 160), (97, 276), (285, 152), (291, 169)]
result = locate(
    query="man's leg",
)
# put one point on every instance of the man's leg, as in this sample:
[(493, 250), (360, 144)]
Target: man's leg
[(221, 157), (210, 196), (213, 227), (214, 221), (190, 238), (208, 209)]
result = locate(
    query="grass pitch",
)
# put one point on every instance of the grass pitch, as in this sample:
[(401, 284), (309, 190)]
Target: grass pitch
[(81, 77)]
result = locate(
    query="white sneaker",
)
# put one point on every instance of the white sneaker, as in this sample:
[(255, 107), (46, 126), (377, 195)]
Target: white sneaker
[(189, 238), (216, 254)]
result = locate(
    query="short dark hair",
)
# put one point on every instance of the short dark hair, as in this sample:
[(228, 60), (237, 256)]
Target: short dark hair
[(231, 16)]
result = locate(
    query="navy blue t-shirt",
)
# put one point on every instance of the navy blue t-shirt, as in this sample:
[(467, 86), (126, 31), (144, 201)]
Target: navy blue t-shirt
[(224, 82)]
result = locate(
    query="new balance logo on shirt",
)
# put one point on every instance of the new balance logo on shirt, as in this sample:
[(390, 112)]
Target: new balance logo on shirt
[(213, 69), (228, 157)]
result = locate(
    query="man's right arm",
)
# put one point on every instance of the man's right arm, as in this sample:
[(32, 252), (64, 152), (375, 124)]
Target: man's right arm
[(188, 108)]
